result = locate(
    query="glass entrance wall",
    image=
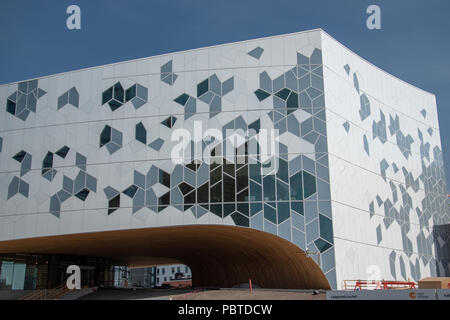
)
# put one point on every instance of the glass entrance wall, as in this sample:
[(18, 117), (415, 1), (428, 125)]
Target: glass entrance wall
[(31, 271), (23, 272), (6, 274)]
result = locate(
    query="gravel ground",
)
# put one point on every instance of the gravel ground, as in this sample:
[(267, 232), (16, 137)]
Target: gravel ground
[(245, 294), (222, 294)]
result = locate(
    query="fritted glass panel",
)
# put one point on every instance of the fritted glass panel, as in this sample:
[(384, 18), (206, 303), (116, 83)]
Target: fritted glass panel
[(296, 186), (282, 172), (309, 184), (282, 190), (283, 211), (269, 188), (270, 213), (255, 192)]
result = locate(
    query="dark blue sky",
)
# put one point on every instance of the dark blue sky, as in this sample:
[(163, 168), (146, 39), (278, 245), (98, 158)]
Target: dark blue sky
[(413, 44)]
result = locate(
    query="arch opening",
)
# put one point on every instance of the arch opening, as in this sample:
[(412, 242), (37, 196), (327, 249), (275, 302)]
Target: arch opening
[(218, 255)]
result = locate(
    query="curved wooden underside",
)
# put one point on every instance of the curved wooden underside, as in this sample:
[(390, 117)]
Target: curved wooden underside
[(218, 255)]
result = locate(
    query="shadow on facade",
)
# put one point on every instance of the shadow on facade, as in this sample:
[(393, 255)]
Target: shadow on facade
[(441, 236)]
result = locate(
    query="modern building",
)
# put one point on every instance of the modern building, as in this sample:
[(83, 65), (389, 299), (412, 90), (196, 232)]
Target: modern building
[(150, 277), (88, 168), (171, 272)]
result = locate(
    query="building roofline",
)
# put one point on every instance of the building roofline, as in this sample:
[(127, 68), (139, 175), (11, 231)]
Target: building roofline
[(216, 46), (373, 65), (161, 55)]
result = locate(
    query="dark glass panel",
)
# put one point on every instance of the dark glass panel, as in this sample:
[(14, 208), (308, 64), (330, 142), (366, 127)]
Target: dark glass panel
[(270, 213), (229, 190), (105, 136), (296, 186), (113, 204), (48, 160), (182, 99), (283, 211), (203, 193), (190, 198), (82, 195), (282, 190), (63, 151), (255, 172), (164, 199), (113, 104), (243, 196), (261, 95), (11, 107), (216, 175), (107, 95), (193, 165), (255, 192), (297, 206), (164, 178), (322, 245), (141, 133), (228, 208), (19, 156), (269, 188), (283, 172), (309, 184), (283, 93), (243, 208), (202, 87), (216, 193), (326, 228), (118, 92), (240, 220), (185, 188), (229, 168), (241, 179), (216, 209), (130, 191), (130, 93), (255, 207)]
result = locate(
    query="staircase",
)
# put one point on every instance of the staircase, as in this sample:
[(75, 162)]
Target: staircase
[(47, 294)]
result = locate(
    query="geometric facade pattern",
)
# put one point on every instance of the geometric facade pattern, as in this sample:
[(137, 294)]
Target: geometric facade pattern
[(256, 53), (211, 91), (48, 172), (346, 196), (430, 215), (111, 138), (167, 75), (78, 187), (69, 97), (24, 100), (17, 185), (115, 96)]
